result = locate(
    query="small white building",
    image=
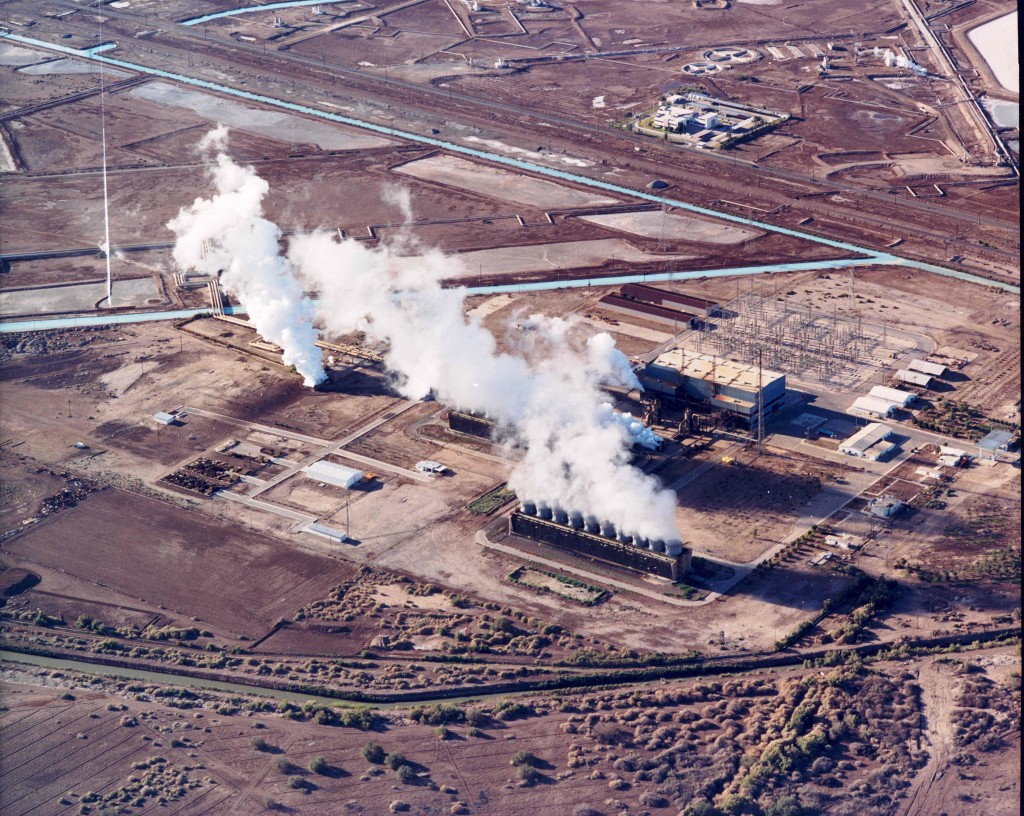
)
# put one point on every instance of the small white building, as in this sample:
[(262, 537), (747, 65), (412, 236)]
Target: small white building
[(870, 442), (164, 418), (914, 377), (333, 474), (430, 466), (316, 528), (901, 398), (709, 119), (931, 369), (953, 457), (873, 407), (885, 506)]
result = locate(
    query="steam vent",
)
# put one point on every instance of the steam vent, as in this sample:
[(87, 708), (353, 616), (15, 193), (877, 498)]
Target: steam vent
[(589, 536)]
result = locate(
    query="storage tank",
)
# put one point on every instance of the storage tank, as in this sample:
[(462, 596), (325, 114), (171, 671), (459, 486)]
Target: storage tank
[(593, 525), (658, 544), (576, 520), (674, 547), (560, 515), (528, 507), (544, 511), (607, 529)]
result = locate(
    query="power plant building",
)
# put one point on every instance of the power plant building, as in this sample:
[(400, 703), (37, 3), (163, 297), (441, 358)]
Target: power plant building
[(872, 442), (670, 300), (648, 311), (599, 540), (743, 390), (471, 424), (873, 407)]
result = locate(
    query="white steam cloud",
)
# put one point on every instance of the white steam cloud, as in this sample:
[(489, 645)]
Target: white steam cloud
[(227, 234), (545, 394), (899, 61)]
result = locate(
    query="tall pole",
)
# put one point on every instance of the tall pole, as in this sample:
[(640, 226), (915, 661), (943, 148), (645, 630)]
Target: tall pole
[(106, 201), (760, 405)]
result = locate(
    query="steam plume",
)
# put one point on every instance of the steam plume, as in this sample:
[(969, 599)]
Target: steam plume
[(544, 394), (228, 232)]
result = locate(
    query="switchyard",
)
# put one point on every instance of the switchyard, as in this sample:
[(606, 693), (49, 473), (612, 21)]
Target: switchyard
[(809, 345)]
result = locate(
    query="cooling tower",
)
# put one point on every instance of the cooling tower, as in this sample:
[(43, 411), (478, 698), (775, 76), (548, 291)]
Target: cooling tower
[(658, 544), (607, 529), (529, 507), (593, 525), (674, 547), (560, 515), (544, 511), (576, 520)]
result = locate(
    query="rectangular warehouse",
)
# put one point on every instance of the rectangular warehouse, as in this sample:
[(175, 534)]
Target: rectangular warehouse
[(670, 300), (870, 442), (331, 473), (914, 377), (602, 548), (648, 311), (932, 369), (724, 384), (873, 406), (901, 399)]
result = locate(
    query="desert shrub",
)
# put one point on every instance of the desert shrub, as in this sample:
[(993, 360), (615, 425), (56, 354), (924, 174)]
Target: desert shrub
[(440, 714), (319, 765), (395, 761), (609, 733), (527, 774), (261, 744), (286, 766), (701, 807), (372, 752), (525, 758), (654, 800), (397, 806), (405, 774)]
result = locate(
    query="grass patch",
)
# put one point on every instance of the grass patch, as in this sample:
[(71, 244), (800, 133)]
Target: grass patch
[(571, 588), (492, 500)]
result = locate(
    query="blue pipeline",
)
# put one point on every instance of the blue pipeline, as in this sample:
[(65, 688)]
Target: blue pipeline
[(247, 9)]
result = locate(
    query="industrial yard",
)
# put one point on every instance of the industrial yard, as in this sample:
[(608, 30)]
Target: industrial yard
[(449, 407)]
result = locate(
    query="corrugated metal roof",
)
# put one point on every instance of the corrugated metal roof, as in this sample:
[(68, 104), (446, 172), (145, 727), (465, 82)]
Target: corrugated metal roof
[(653, 294), (995, 440), (892, 394), (914, 377), (722, 372), (873, 405), (935, 369), (644, 308), (333, 473), (866, 437)]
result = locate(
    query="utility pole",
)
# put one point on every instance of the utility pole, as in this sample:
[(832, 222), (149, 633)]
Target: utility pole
[(760, 405)]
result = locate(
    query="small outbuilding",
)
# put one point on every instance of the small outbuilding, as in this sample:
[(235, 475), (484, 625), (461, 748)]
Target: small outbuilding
[(164, 418), (430, 466), (994, 442)]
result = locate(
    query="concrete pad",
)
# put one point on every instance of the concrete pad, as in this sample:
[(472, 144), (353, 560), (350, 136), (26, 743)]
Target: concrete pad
[(78, 297), (503, 185), (673, 227), (285, 127)]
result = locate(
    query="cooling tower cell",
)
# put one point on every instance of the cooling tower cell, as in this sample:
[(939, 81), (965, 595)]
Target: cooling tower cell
[(625, 538), (560, 515), (640, 541), (576, 520), (593, 525), (529, 507), (674, 547), (544, 511), (607, 529), (658, 544)]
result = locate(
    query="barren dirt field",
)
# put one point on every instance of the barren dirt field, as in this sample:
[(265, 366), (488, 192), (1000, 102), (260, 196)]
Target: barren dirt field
[(235, 580)]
